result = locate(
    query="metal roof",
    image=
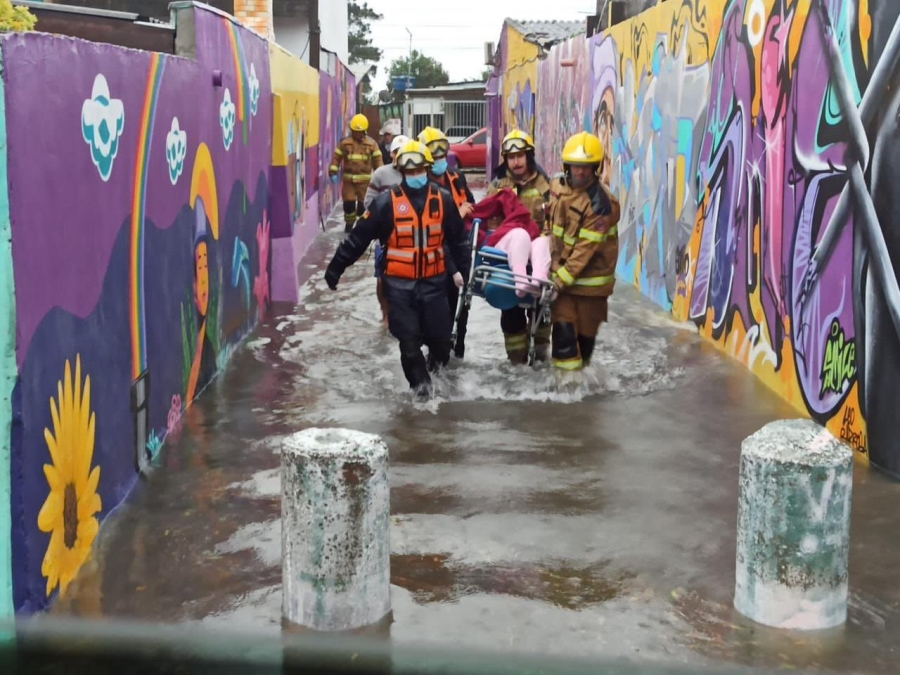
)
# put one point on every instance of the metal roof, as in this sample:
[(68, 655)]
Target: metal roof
[(548, 33), (451, 86)]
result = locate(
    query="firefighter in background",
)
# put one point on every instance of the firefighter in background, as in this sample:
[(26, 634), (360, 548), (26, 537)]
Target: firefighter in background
[(520, 173), (584, 248), (359, 156), (426, 242), (455, 183)]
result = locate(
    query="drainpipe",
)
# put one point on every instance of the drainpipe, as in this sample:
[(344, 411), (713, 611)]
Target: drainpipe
[(315, 34)]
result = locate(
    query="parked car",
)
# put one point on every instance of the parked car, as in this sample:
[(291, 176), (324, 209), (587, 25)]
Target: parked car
[(472, 152), (460, 133)]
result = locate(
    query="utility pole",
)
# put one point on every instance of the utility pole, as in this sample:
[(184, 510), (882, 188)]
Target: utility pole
[(409, 61), (315, 34)]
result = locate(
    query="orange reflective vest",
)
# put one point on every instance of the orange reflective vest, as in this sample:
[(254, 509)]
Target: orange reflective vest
[(450, 181), (415, 249)]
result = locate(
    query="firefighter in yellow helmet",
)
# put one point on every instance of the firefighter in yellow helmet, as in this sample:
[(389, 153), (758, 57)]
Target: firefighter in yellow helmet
[(425, 243), (584, 248), (453, 182), (520, 173), (359, 156)]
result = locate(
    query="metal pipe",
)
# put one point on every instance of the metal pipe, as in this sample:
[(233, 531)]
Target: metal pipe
[(879, 257), (315, 35), (856, 119)]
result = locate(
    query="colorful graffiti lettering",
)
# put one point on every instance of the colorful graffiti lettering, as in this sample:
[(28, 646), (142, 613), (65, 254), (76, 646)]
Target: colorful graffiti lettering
[(566, 94), (649, 99), (839, 367), (768, 177), (751, 145)]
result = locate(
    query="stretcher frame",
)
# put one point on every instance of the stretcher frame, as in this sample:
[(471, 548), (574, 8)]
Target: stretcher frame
[(537, 308)]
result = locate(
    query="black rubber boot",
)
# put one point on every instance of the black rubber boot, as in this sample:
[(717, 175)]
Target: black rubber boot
[(586, 345)]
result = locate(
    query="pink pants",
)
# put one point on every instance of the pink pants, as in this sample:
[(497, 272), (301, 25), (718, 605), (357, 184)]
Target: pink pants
[(519, 248)]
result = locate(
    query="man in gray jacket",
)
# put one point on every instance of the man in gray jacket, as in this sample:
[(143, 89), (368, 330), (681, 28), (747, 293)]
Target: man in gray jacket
[(387, 175), (383, 178)]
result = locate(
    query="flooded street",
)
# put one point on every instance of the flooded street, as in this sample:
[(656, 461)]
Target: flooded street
[(588, 517)]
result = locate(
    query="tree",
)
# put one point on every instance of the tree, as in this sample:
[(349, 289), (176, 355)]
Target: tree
[(485, 76), (427, 71), (359, 37), (15, 18)]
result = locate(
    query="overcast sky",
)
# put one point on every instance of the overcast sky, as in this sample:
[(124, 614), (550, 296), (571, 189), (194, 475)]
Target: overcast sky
[(454, 31)]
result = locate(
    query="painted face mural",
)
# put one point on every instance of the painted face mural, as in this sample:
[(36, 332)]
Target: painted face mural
[(122, 316), (201, 276)]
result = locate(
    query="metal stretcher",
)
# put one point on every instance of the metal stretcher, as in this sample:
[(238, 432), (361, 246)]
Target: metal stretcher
[(492, 279)]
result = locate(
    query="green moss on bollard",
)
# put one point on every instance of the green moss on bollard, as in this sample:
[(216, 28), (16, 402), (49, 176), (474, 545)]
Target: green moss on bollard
[(794, 527)]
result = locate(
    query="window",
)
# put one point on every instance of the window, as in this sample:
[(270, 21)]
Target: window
[(480, 139)]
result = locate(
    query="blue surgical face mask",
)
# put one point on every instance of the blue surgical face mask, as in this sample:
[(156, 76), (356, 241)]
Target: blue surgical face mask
[(440, 167), (417, 182)]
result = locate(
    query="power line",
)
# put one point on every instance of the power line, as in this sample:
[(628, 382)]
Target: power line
[(431, 47)]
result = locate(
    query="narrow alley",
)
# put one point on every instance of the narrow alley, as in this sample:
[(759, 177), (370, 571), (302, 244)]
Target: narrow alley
[(590, 520)]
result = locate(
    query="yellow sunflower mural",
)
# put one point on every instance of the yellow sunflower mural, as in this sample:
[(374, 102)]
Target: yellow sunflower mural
[(68, 514)]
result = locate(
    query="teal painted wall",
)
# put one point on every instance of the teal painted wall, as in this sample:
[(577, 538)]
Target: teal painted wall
[(8, 369)]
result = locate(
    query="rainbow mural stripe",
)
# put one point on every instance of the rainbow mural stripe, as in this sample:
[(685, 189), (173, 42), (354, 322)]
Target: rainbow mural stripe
[(142, 161), (240, 73)]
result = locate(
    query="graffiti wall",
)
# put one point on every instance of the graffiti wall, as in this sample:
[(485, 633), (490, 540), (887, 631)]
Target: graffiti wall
[(564, 100), (772, 164), (141, 259), (293, 200), (650, 78), (519, 83), (510, 92), (337, 104), (731, 152)]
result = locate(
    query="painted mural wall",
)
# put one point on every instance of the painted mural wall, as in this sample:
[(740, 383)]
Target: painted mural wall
[(729, 151), (519, 82), (141, 259), (337, 104), (563, 99), (772, 164), (511, 91), (293, 199)]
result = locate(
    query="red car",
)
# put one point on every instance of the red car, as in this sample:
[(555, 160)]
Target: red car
[(472, 152)]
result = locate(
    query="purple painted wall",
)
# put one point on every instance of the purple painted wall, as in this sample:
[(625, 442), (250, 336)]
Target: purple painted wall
[(141, 247), (337, 104)]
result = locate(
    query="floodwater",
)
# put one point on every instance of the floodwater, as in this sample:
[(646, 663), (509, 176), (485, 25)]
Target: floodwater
[(593, 516)]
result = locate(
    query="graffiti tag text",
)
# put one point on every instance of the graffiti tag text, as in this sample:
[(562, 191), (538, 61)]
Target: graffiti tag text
[(849, 434), (839, 367)]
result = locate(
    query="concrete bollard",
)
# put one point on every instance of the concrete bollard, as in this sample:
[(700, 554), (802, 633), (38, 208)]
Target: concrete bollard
[(335, 528), (793, 536)]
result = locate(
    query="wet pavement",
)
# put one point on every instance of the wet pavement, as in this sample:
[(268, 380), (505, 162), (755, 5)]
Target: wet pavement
[(588, 517)]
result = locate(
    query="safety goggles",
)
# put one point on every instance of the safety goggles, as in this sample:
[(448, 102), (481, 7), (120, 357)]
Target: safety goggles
[(515, 145), (439, 148), (411, 160)]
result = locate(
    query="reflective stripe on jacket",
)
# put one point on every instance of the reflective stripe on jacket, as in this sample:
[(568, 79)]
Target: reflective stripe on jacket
[(358, 160), (533, 193), (452, 183), (415, 249), (584, 243)]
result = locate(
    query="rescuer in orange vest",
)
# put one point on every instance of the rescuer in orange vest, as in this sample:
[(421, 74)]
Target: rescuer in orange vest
[(425, 242), (453, 182)]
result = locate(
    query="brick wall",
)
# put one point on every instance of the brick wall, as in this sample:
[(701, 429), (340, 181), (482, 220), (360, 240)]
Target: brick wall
[(255, 14)]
